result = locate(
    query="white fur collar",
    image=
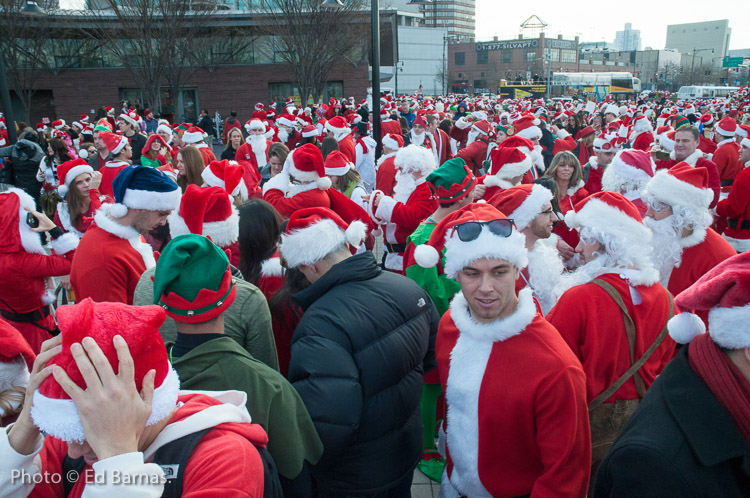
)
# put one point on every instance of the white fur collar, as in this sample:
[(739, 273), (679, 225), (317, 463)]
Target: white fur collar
[(693, 239), (64, 215), (116, 164), (573, 190), (109, 225), (593, 162), (545, 273), (496, 181), (383, 158), (298, 188), (725, 141), (498, 330), (691, 159)]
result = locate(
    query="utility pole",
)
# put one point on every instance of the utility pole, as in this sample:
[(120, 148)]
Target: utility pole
[(548, 58)]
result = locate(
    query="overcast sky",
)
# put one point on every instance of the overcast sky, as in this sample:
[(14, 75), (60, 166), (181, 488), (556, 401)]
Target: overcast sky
[(598, 21)]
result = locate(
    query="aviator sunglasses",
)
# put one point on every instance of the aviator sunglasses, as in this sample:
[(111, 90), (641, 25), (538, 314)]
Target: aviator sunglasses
[(471, 229)]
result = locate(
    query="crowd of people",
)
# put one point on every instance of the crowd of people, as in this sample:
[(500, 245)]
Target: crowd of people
[(558, 310)]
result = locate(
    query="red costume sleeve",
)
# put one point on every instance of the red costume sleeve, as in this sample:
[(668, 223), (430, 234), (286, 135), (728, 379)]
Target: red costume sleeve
[(737, 205), (41, 265), (567, 143)]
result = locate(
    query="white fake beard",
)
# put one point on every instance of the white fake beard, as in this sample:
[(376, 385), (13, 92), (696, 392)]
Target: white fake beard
[(473, 135), (283, 134), (537, 158), (258, 143), (405, 186), (417, 139), (666, 250), (584, 274)]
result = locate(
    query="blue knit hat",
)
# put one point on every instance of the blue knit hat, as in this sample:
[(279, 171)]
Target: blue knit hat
[(142, 187)]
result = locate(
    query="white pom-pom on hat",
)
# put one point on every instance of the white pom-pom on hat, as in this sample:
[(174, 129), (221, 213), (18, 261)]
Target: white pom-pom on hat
[(356, 232), (323, 183), (426, 256), (685, 327)]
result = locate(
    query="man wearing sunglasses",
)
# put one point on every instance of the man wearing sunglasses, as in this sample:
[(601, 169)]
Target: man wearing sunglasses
[(514, 426), (684, 245), (614, 313), (531, 209)]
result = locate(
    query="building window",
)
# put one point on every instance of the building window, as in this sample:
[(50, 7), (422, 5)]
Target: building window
[(482, 57), (530, 55), (554, 55), (507, 56), (460, 58), (567, 56)]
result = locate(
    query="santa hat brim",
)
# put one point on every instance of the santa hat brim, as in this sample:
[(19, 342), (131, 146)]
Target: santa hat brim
[(608, 219), (531, 133), (192, 137), (669, 190), (724, 132), (59, 417), (151, 201), (71, 175), (531, 207), (460, 254), (309, 245), (223, 233)]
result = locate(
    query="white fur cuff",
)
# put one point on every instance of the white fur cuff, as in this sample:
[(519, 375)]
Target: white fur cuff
[(64, 244)]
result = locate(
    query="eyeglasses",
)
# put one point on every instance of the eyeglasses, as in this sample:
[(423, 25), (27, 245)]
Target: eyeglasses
[(658, 206), (471, 229)]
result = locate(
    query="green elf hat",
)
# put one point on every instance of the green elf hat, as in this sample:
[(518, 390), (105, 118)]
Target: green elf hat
[(103, 125), (193, 281), (452, 181), (680, 121), (507, 129)]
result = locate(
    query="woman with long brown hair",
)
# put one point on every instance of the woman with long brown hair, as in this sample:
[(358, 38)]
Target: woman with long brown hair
[(189, 167), (57, 153), (566, 170), (79, 188)]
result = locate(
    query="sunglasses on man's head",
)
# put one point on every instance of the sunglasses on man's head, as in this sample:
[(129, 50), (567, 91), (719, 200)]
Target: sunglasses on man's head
[(471, 229)]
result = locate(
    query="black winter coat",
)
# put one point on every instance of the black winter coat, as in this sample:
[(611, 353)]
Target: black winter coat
[(24, 156), (680, 443), (357, 360)]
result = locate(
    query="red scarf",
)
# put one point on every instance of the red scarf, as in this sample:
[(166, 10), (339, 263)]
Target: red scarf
[(362, 143), (723, 378)]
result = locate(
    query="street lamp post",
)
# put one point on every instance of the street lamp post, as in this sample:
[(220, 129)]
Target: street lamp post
[(692, 65), (375, 61), (30, 9)]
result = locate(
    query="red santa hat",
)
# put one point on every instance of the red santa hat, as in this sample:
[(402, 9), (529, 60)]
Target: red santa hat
[(305, 163), (724, 291), (642, 123), (483, 127), (527, 126), (84, 118), (413, 158), (58, 124), (227, 175), (114, 142), (55, 413), (193, 135), (40, 127), (259, 106), (742, 131), (419, 120), (393, 141), (16, 361), (110, 110), (313, 233), (286, 120), (309, 131), (337, 125), (523, 203), (629, 167), (68, 171), (681, 185), (206, 211), (726, 127), (255, 124), (707, 119), (77, 125), (585, 132), (493, 240), (506, 163), (272, 105), (605, 143), (130, 117), (337, 164), (609, 213)]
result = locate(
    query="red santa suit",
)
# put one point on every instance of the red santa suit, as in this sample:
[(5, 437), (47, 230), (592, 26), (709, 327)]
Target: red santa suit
[(594, 182), (727, 160), (736, 207), (346, 146), (110, 260), (475, 154), (287, 198), (403, 216), (283, 320), (258, 114), (460, 132), (642, 140), (246, 154), (514, 427), (62, 215), (206, 152), (706, 146), (605, 356), (385, 176), (109, 172), (443, 146), (389, 126), (24, 264), (567, 202)]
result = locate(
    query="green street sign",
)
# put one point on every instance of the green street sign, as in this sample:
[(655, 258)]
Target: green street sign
[(732, 62)]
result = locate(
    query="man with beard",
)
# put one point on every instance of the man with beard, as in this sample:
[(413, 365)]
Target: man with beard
[(628, 174), (593, 171), (614, 313), (420, 136), (684, 247), (736, 207), (642, 136), (385, 175), (686, 149), (254, 152), (339, 129), (287, 134), (440, 138), (530, 208), (112, 254), (411, 203), (477, 148)]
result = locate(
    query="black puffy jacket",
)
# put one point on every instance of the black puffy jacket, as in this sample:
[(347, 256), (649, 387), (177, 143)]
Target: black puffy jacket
[(24, 156), (358, 357)]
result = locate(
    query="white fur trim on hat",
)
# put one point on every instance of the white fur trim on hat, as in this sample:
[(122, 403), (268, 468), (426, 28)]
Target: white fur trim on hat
[(728, 326), (223, 233), (496, 181), (72, 174), (192, 137), (531, 207), (721, 131), (512, 170), (745, 142), (29, 240), (684, 327), (531, 132), (272, 268), (311, 244), (334, 129), (459, 254), (622, 177), (669, 190), (152, 201), (341, 171), (59, 417), (391, 143), (164, 127), (600, 215)]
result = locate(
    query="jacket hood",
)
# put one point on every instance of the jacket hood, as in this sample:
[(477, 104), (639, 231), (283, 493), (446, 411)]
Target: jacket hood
[(199, 410), (355, 269)]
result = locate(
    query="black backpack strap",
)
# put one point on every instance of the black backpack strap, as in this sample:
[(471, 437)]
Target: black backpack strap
[(173, 457), (271, 483), (71, 464)]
